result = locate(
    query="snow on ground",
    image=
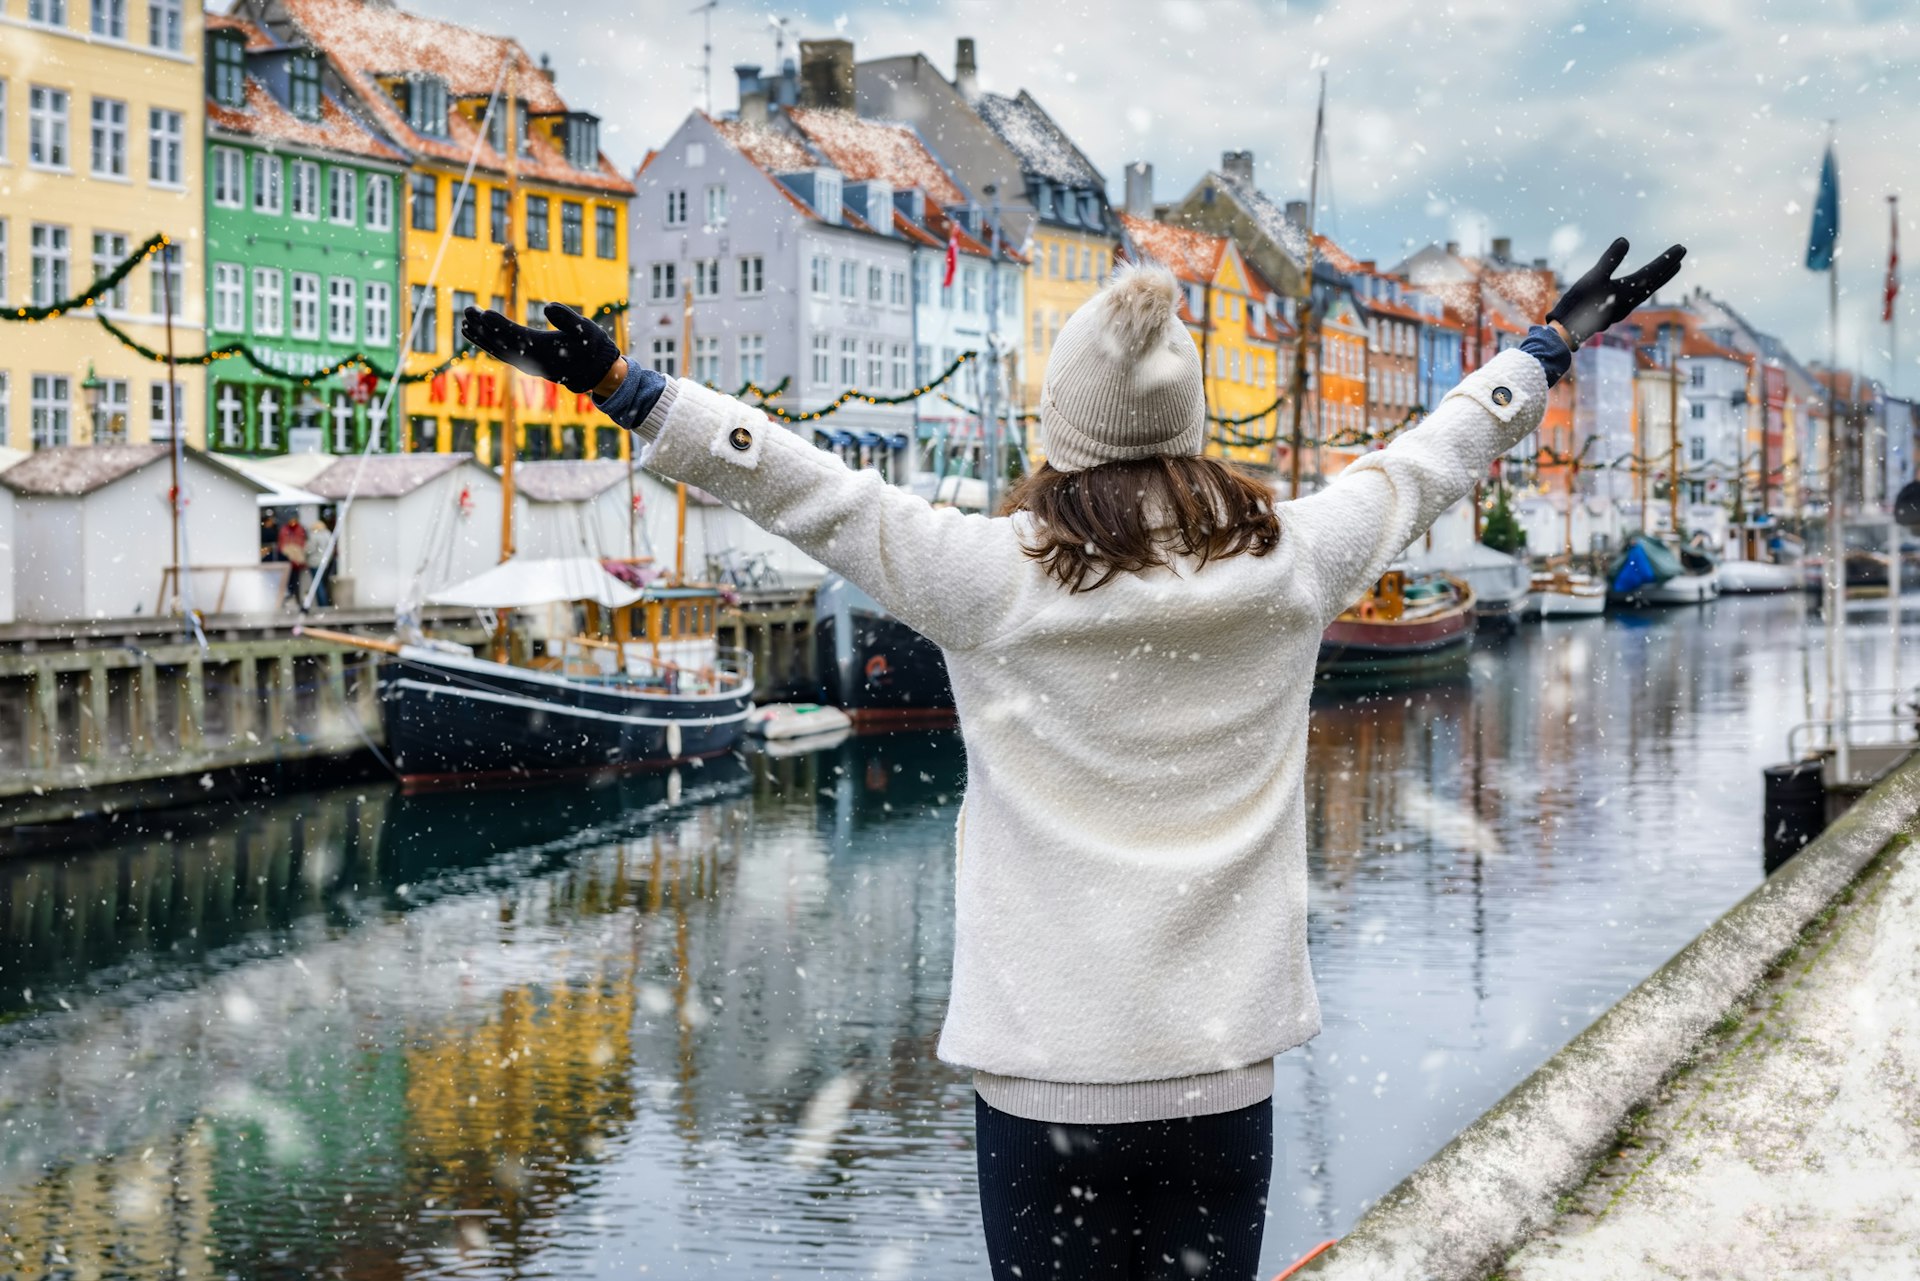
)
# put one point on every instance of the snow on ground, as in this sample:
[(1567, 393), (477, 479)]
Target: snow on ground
[(1792, 1149)]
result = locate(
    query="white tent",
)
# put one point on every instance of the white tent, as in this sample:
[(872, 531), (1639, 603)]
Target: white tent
[(418, 523), (8, 457), (527, 581)]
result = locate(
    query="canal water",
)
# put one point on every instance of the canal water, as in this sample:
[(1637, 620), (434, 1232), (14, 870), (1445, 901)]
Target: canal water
[(684, 1027)]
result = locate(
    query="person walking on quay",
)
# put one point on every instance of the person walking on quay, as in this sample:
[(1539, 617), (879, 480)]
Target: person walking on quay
[(319, 563), (293, 550), (1132, 647)]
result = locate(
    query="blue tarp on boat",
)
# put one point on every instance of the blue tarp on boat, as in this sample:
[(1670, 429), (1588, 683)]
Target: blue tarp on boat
[(1634, 572)]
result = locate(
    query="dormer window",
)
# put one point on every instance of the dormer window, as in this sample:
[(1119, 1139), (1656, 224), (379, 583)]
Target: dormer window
[(1069, 209), (496, 125), (880, 206), (582, 135), (1090, 209), (228, 68), (427, 105), (1043, 198), (912, 203), (826, 194), (303, 86)]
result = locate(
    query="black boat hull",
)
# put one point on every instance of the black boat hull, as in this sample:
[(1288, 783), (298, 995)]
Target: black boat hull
[(450, 719), (895, 674)]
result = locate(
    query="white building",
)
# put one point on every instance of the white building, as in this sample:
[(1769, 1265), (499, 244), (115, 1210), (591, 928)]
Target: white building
[(418, 522), (93, 534)]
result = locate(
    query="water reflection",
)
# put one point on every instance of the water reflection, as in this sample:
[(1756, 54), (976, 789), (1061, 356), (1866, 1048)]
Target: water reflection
[(688, 1026)]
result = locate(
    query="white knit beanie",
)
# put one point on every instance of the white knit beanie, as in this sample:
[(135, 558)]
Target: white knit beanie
[(1124, 379)]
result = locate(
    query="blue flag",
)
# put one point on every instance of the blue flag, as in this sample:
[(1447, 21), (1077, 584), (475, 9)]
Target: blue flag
[(1826, 216)]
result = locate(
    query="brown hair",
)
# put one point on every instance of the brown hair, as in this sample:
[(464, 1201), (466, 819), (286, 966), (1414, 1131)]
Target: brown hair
[(1096, 523)]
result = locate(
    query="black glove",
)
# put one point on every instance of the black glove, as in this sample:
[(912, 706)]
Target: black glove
[(576, 353), (1597, 300)]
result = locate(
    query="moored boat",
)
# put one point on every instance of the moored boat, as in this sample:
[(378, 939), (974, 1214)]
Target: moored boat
[(1648, 572), (875, 667), (1562, 593), (777, 721), (1405, 627), (1760, 558)]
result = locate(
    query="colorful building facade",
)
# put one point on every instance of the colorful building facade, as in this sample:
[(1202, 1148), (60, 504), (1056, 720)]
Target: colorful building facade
[(302, 249), (544, 218), (100, 125)]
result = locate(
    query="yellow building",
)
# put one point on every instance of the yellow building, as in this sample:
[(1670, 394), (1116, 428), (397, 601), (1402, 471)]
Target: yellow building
[(101, 108), (545, 219), (1235, 320)]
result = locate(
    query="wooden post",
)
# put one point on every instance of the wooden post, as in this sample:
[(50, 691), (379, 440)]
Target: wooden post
[(283, 696), (44, 718), (146, 709), (244, 709), (334, 703), (193, 711), (93, 740)]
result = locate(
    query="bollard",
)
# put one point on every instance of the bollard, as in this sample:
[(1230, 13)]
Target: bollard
[(1795, 810)]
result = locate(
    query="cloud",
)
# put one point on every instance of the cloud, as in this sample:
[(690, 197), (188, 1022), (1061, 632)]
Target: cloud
[(1701, 123)]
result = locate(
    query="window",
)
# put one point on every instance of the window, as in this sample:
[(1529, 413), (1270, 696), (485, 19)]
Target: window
[(272, 413), (1697, 410), (827, 195), (229, 297), (379, 202), (922, 364), (666, 356), (706, 277), (306, 305), (876, 365), (818, 274), (165, 147), (228, 184), (876, 284), (676, 208), (849, 279), (266, 184), (970, 289), (426, 305), (229, 69), (706, 360), (606, 232), (164, 24), (51, 251), (582, 140), (753, 359), (899, 366), (573, 228), (115, 411), (753, 275), (341, 195), (427, 105), (716, 207), (109, 251), (922, 278), (267, 316), (849, 361), (538, 230), (53, 13), (1697, 449), (423, 191), (662, 282), (109, 138), (303, 86), (342, 299), (1039, 331), (822, 358), (303, 186), (47, 127), (52, 408), (464, 216), (164, 410), (425, 433), (897, 288), (379, 313), (1697, 376)]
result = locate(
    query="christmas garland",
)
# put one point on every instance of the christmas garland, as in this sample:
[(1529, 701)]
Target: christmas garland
[(101, 287), (850, 395), (241, 351)]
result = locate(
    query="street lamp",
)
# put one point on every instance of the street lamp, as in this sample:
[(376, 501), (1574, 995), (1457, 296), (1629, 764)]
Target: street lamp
[(91, 391)]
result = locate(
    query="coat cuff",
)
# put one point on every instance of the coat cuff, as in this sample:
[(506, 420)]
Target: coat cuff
[(1510, 385), (641, 401)]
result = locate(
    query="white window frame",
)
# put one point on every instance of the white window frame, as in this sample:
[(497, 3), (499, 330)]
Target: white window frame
[(716, 206), (269, 297), (343, 309), (706, 277), (876, 285), (114, 12), (849, 279), (303, 305), (899, 355), (342, 181), (269, 183), (822, 367), (706, 359), (228, 180), (677, 207), (303, 190), (167, 266), (166, 148), (753, 275), (229, 297), (379, 198), (49, 129), (47, 13), (666, 356), (849, 362), (753, 359), (164, 412), (820, 276), (166, 22), (109, 251), (50, 410), (897, 288), (50, 243), (663, 281), (5, 272), (377, 310), (107, 139)]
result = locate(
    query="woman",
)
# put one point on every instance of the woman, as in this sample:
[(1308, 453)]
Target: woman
[(1132, 648)]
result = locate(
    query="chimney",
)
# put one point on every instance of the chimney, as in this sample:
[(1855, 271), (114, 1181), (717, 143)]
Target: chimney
[(1502, 248), (1539, 264), (826, 74), (1453, 249), (1237, 165), (1140, 189), (753, 93), (546, 67), (966, 71), (1297, 213)]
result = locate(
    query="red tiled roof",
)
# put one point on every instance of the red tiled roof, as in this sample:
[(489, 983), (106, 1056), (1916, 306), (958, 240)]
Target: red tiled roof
[(1193, 256), (266, 119), (364, 42), (256, 38), (1339, 259), (864, 150)]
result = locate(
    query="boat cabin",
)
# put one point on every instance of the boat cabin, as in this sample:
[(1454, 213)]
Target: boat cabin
[(669, 636)]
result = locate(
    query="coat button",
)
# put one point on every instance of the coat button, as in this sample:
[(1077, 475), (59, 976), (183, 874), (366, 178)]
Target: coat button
[(1502, 396), (742, 439)]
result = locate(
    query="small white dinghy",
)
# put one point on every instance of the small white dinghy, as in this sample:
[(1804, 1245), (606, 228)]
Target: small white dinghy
[(777, 721)]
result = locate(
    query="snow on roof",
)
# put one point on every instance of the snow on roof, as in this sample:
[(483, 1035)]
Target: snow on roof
[(9, 456), (1287, 236), (1336, 257), (366, 42), (1191, 255), (1030, 133), (865, 150), (256, 38), (567, 480), (264, 118), (72, 470), (383, 475), (773, 150)]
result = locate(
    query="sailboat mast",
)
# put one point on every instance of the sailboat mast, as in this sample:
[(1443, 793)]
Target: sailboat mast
[(1304, 329), (680, 490), (510, 263)]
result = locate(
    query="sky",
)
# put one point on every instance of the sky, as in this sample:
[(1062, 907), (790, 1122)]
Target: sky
[(1558, 123)]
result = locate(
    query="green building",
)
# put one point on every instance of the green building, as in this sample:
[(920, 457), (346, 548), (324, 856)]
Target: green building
[(302, 251)]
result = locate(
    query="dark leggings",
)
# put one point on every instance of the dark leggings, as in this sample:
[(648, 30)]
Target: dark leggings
[(1139, 1202)]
